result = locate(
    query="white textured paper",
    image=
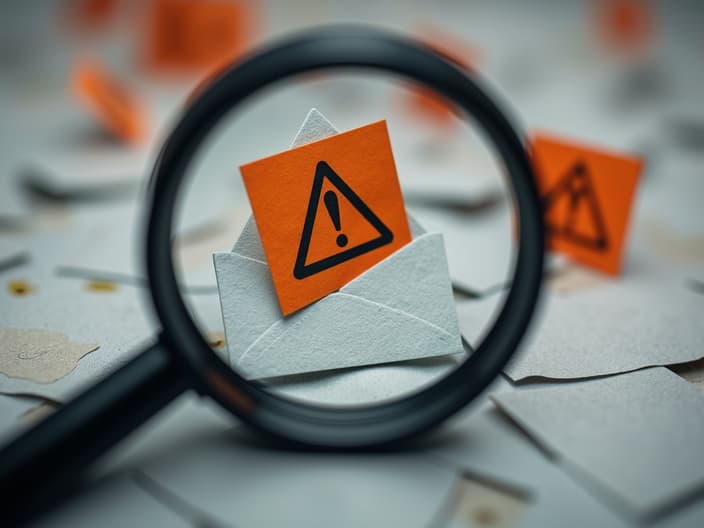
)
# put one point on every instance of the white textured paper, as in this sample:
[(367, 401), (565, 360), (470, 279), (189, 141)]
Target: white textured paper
[(115, 321), (610, 328), (638, 436)]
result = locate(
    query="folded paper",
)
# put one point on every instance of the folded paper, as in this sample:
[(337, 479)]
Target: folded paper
[(637, 436)]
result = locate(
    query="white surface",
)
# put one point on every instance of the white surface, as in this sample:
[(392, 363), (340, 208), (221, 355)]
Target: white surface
[(638, 436)]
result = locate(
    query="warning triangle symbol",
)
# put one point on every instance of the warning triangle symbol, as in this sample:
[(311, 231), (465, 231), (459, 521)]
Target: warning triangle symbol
[(572, 211), (375, 234)]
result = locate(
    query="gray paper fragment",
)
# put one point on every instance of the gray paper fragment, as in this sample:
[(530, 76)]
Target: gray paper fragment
[(611, 328), (636, 436)]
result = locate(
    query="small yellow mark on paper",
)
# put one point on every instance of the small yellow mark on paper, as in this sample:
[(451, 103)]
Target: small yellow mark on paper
[(39, 355), (101, 286), (20, 287)]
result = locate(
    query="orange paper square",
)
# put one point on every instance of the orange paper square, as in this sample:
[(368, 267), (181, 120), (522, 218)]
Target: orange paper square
[(192, 35), (326, 212), (587, 194), (113, 104)]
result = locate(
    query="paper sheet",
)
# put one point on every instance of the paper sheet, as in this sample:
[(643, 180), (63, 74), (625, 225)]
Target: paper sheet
[(309, 489), (39, 355), (115, 501), (114, 320), (637, 437), (611, 328), (482, 441)]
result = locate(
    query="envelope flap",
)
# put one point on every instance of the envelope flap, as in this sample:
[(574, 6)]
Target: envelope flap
[(249, 244), (414, 280)]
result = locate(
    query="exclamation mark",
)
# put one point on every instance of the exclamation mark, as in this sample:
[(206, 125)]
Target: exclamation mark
[(333, 208)]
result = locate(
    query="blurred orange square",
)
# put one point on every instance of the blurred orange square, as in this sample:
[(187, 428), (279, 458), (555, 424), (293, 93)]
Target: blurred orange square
[(587, 194), (191, 35)]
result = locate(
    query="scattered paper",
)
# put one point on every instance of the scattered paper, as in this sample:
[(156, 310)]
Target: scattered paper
[(309, 489), (483, 442), (39, 355), (87, 171), (637, 437), (115, 320), (611, 328)]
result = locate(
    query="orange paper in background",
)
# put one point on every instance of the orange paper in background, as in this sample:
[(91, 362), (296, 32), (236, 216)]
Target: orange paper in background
[(195, 35), (117, 108), (587, 194), (424, 102), (282, 192), (626, 26)]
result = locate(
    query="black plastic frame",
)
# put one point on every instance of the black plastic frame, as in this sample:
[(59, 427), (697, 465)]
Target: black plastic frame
[(315, 425)]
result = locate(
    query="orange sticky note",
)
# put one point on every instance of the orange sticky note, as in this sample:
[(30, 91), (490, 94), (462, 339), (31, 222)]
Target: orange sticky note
[(192, 35), (586, 195), (115, 106), (326, 212)]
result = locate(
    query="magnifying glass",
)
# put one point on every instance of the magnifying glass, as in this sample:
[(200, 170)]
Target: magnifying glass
[(384, 402)]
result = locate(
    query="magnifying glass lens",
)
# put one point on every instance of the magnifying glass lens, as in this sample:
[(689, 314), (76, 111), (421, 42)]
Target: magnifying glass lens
[(329, 229)]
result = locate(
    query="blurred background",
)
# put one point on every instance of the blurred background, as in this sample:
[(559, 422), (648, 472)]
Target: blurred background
[(89, 90)]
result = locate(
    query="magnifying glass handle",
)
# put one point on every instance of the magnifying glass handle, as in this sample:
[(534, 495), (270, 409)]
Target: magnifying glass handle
[(43, 465)]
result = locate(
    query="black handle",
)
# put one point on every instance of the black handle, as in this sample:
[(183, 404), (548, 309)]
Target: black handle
[(40, 466)]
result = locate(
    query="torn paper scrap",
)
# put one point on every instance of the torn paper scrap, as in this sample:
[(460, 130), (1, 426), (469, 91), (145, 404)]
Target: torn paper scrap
[(484, 442), (39, 355), (637, 436), (607, 329)]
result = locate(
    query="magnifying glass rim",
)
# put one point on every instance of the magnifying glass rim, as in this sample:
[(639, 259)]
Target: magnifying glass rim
[(305, 423)]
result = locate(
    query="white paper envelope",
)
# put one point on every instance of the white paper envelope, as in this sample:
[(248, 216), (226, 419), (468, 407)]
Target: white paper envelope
[(400, 309)]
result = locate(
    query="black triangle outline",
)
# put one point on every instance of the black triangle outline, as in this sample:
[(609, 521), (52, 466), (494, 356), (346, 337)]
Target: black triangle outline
[(322, 171), (578, 170)]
